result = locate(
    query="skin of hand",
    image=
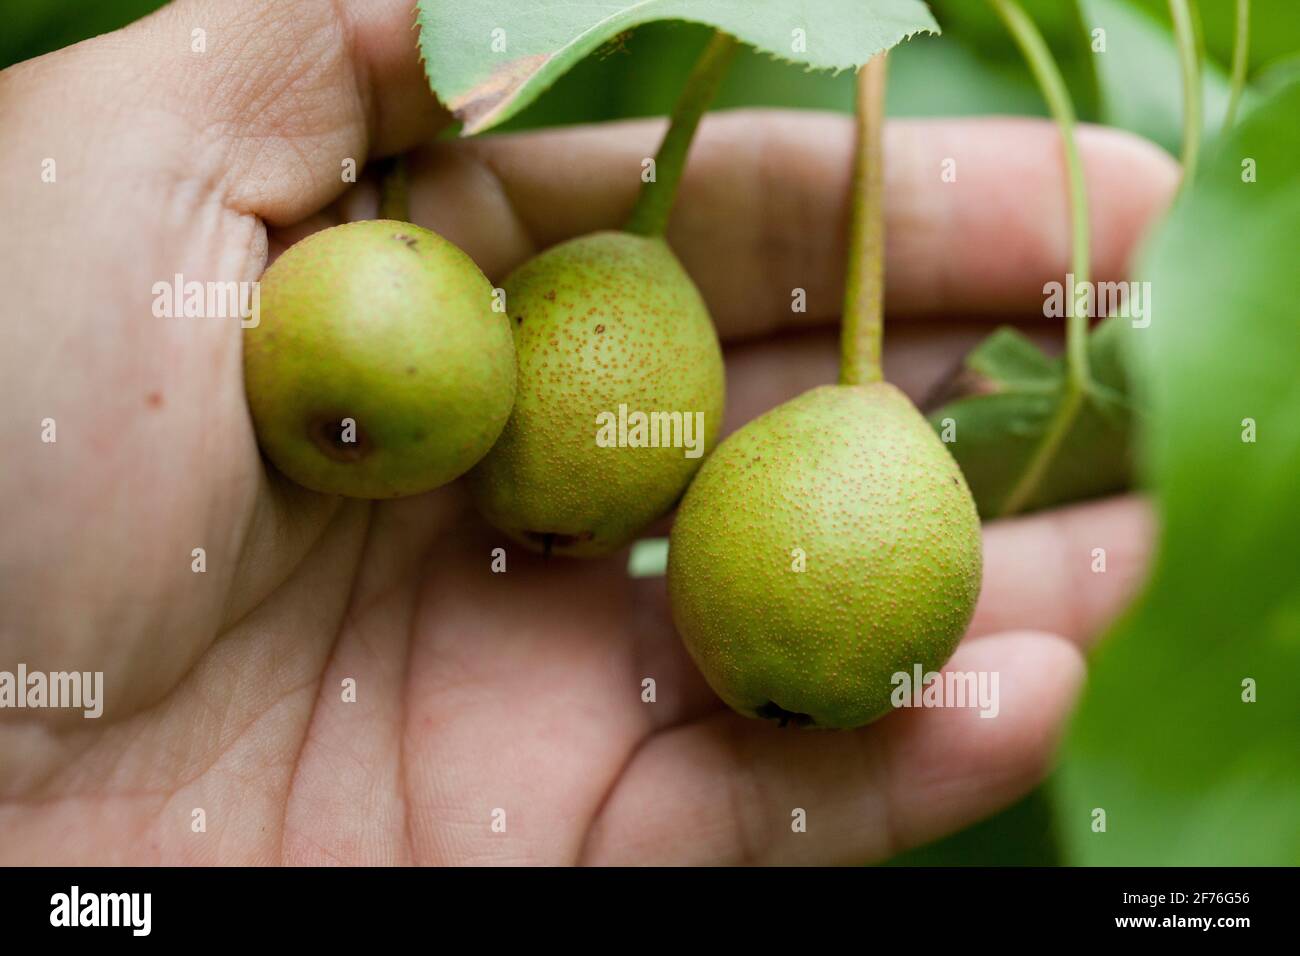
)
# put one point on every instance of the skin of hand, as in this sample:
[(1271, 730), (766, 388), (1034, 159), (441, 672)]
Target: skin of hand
[(475, 692)]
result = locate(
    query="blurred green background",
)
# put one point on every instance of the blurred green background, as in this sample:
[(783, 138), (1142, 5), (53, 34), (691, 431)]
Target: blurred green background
[(973, 68)]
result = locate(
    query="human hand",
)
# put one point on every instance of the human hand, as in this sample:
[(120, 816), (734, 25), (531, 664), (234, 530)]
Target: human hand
[(474, 691)]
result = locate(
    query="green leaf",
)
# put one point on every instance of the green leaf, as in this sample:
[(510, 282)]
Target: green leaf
[(1009, 357), (1009, 394), (978, 26), (488, 59), (1185, 770), (961, 73), (1274, 27), (928, 76), (1138, 75), (1279, 73)]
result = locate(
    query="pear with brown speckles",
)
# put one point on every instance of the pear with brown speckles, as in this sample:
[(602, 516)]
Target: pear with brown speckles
[(379, 367), (823, 548), (620, 396)]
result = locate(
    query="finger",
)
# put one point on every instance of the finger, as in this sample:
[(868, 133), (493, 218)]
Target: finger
[(259, 106), (295, 92), (727, 790), (1069, 570), (1041, 572), (763, 206), (918, 358)]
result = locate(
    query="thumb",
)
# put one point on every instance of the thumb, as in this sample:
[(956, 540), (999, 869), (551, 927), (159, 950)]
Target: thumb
[(256, 105)]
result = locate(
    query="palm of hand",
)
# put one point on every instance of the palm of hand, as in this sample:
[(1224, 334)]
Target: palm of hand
[(496, 717)]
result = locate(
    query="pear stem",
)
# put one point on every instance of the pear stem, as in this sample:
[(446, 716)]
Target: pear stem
[(1057, 95), (653, 205), (1188, 61), (1240, 58), (395, 190), (862, 328), (1078, 377)]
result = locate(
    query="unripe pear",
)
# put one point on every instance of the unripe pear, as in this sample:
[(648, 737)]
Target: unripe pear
[(824, 547), (607, 327), (379, 367)]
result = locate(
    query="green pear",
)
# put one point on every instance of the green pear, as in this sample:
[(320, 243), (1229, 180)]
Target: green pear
[(379, 367), (617, 355), (824, 547)]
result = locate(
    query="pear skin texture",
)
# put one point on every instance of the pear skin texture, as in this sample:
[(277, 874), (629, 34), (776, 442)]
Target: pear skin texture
[(856, 478), (604, 320), (389, 325)]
